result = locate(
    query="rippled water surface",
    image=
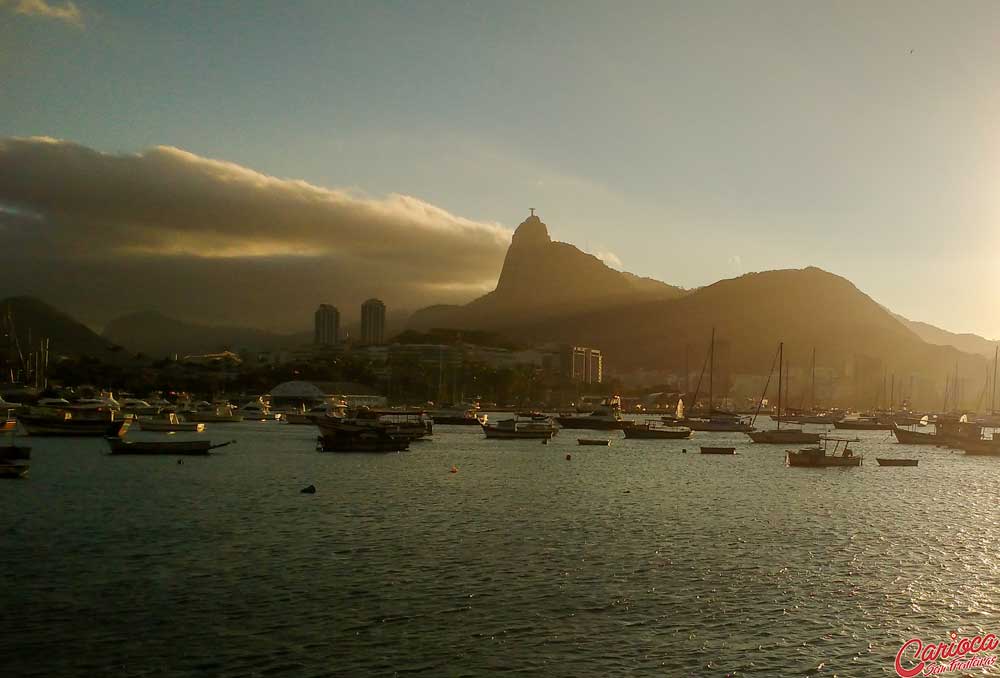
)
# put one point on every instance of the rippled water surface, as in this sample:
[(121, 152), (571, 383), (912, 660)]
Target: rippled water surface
[(634, 559)]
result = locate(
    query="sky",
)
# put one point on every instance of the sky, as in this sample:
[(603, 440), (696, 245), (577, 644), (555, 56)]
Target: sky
[(687, 142)]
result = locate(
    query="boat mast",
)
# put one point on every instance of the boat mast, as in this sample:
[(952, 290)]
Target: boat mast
[(781, 364), (812, 396), (711, 372), (993, 403)]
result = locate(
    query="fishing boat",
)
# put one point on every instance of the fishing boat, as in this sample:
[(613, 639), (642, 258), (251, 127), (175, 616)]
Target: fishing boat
[(602, 442), (908, 437), (170, 424), (821, 456), (606, 417), (10, 470), (66, 424), (655, 431), (352, 436), (779, 436), (178, 447), (718, 450), (882, 461), (518, 428)]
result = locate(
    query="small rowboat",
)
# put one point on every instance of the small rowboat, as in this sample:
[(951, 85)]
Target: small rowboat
[(181, 447), (594, 441), (13, 470), (895, 462), (718, 450)]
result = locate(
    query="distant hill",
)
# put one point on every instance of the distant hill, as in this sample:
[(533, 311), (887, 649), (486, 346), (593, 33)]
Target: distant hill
[(32, 320), (806, 308), (970, 343), (157, 335), (545, 279)]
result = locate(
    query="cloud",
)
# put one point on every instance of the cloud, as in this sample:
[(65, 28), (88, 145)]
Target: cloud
[(608, 257), (212, 240), (67, 12)]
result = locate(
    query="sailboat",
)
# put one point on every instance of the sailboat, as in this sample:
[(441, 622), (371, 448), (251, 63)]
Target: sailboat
[(716, 421), (779, 436)]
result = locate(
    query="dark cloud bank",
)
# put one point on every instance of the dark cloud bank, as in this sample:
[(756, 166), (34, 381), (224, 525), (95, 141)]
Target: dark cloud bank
[(100, 235)]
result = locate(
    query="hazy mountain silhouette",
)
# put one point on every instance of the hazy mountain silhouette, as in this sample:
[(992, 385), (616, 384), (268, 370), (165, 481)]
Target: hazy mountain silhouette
[(545, 279), (806, 308), (970, 343), (33, 320), (157, 335)]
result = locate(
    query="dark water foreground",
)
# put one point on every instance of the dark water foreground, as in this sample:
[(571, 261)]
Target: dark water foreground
[(634, 559)]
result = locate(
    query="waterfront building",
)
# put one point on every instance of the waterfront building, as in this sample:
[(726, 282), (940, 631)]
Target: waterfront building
[(327, 324), (373, 322)]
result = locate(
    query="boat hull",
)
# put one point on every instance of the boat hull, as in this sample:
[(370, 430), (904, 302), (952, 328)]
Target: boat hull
[(908, 437), (651, 433), (589, 441), (213, 418), (811, 460), (718, 450), (717, 426), (167, 427), (49, 426), (861, 426), (449, 420), (13, 470), (591, 423), (895, 462)]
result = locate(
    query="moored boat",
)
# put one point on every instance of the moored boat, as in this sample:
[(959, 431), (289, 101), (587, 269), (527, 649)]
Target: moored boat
[(779, 436), (352, 436), (862, 424), (652, 431), (908, 437), (821, 457), (603, 442), (534, 428), (882, 461), (718, 450), (65, 424), (177, 447), (606, 417)]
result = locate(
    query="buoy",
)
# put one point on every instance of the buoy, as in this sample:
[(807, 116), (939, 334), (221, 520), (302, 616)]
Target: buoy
[(180, 461), (309, 490), (454, 469), (568, 457), (684, 450)]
